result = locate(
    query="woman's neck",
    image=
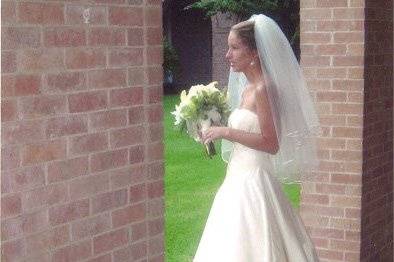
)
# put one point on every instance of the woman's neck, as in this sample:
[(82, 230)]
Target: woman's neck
[(254, 75)]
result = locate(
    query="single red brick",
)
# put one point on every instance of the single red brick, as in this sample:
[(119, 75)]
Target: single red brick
[(63, 126), (49, 239), (138, 231), (41, 106), (91, 226), (332, 3), (155, 132), (22, 179), (48, 59), (349, 37), (65, 82), (110, 1), (315, 61), (110, 200), (26, 223), (73, 252), (13, 250), (315, 199), (155, 113), (136, 154), (155, 151), (8, 61), (154, 35), (155, 75), (45, 196), (68, 169), (64, 37), (129, 16), (155, 189), (158, 258), (126, 97), (316, 38), (20, 37), (69, 212), (344, 201), (155, 171), (127, 136), (156, 226), (9, 110), (136, 77), (134, 252), (138, 193), (11, 205), (41, 13), (154, 2), (108, 119), (77, 58), (22, 132), (327, 232), (75, 14), (88, 143), (128, 215), (109, 241), (105, 36), (88, 186), (87, 101), (155, 94), (153, 16), (328, 49), (136, 115), (43, 152), (156, 207), (315, 14), (108, 160), (127, 176), (126, 56), (103, 258), (107, 78), (154, 56), (135, 37), (348, 60), (348, 13), (27, 85), (156, 246)]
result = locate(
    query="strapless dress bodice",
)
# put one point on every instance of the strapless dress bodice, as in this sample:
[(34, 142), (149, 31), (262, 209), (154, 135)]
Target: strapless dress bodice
[(247, 120)]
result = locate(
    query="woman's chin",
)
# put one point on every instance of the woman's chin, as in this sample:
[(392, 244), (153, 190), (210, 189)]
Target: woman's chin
[(235, 69)]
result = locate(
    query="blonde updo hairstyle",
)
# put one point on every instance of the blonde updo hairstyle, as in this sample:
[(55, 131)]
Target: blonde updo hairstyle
[(245, 31)]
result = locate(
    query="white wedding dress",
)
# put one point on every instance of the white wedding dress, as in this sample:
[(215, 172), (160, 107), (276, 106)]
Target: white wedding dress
[(251, 219)]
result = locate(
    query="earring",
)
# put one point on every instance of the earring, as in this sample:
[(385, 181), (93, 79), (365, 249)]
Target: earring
[(252, 63)]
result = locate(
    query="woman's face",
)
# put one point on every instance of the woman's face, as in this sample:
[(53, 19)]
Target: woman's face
[(239, 55)]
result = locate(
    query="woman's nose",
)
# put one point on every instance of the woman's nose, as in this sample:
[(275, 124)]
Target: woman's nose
[(228, 54)]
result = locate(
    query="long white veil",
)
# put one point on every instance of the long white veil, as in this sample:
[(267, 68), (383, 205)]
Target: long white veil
[(295, 119)]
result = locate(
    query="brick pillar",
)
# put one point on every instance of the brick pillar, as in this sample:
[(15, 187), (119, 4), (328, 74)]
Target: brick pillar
[(82, 153), (347, 59)]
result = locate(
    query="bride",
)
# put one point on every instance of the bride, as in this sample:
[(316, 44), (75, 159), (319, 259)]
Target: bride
[(268, 140)]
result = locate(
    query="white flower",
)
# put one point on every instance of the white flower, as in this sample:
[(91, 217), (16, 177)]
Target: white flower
[(178, 115), (214, 115)]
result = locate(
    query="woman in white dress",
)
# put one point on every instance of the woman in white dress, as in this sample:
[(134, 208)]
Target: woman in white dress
[(268, 140)]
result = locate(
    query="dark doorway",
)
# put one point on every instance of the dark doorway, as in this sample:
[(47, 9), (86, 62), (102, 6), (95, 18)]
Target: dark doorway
[(189, 32)]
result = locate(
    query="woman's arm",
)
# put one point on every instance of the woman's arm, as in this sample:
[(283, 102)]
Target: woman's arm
[(265, 141)]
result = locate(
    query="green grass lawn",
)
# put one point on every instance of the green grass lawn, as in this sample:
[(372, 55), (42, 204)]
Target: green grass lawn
[(191, 181)]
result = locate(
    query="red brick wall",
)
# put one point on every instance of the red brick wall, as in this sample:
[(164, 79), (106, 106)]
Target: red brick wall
[(377, 202), (350, 203), (82, 153)]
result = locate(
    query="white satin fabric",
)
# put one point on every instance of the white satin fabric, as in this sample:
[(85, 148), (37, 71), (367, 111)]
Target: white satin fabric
[(251, 219)]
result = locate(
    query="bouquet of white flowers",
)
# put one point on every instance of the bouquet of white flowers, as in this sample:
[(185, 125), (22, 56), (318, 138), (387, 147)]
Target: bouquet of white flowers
[(202, 107)]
